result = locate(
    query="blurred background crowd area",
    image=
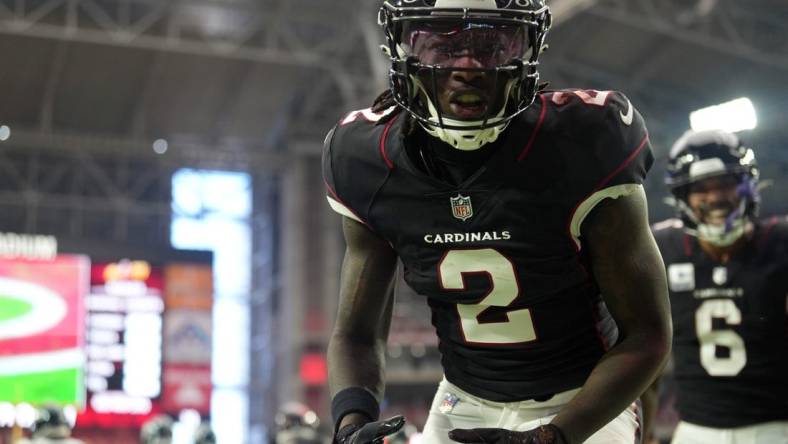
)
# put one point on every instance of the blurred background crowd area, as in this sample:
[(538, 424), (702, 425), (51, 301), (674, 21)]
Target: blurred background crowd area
[(165, 245)]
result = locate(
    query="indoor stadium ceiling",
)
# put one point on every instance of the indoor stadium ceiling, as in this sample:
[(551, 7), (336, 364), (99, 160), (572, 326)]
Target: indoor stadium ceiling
[(271, 76), (250, 71)]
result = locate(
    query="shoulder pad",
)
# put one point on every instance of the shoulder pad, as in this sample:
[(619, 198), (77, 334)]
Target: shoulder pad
[(590, 108), (607, 135), (356, 161)]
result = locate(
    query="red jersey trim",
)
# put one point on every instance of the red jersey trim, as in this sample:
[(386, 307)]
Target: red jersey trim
[(623, 165), (687, 245), (538, 126), (767, 230), (383, 137)]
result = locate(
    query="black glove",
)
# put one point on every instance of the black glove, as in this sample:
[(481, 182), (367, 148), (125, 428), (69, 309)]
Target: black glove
[(369, 433), (546, 434)]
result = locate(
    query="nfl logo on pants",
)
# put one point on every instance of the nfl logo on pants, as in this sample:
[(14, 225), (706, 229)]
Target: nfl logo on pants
[(461, 207)]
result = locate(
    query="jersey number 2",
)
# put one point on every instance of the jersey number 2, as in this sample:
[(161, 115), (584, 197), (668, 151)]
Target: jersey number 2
[(710, 339), (504, 288)]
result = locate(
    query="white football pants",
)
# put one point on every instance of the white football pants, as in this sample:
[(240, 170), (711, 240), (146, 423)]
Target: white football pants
[(453, 408), (775, 432)]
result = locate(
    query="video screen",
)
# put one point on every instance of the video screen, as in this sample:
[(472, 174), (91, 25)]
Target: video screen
[(123, 335), (41, 329)]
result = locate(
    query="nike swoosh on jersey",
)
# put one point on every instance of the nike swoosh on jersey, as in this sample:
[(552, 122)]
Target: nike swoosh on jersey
[(627, 118)]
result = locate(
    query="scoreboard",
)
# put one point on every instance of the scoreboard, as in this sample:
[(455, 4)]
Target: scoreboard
[(124, 326)]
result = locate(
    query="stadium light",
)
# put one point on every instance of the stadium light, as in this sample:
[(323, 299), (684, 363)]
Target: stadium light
[(5, 133), (733, 116), (160, 146)]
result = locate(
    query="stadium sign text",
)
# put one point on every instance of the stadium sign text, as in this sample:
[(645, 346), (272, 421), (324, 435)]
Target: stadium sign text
[(27, 246)]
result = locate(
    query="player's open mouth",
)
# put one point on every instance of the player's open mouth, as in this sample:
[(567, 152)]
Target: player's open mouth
[(468, 105), (717, 216)]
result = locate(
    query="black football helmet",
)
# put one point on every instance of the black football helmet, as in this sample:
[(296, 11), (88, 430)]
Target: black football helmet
[(204, 435), (701, 155), (157, 430), (297, 424), (51, 423), (295, 415), (504, 37)]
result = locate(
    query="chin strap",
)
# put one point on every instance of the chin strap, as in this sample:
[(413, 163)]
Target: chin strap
[(720, 235), (463, 140)]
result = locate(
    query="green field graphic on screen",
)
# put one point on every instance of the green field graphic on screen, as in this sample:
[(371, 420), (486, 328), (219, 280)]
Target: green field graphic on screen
[(11, 308), (41, 329)]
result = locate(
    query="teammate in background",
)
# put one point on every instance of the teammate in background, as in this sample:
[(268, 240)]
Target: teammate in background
[(728, 280), (51, 427), (297, 424), (157, 430), (204, 434), (519, 213)]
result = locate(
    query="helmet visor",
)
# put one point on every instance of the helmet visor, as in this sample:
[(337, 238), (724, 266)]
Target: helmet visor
[(446, 43)]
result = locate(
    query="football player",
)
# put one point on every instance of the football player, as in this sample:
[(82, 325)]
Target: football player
[(204, 434), (297, 424), (157, 430), (728, 281), (519, 213), (51, 427)]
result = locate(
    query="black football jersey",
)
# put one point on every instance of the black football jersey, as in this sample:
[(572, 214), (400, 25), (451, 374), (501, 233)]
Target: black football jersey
[(730, 328), (499, 256)]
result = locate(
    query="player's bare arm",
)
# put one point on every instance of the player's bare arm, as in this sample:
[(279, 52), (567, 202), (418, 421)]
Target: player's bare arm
[(358, 342), (631, 278)]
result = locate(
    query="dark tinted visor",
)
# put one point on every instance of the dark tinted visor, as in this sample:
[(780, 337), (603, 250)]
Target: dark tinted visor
[(444, 43)]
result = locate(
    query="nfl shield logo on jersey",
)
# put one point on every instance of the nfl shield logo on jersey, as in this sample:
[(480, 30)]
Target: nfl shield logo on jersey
[(461, 207), (719, 275)]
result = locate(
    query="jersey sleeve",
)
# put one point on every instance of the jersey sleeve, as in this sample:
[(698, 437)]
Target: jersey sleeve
[(335, 190), (621, 150), (616, 157), (353, 167)]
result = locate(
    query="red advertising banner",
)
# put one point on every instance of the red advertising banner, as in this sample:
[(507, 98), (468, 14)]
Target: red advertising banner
[(187, 387), (41, 329), (188, 337)]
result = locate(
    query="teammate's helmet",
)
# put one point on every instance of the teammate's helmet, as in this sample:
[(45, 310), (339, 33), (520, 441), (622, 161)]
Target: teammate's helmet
[(701, 155), (204, 435), (296, 424), (51, 422), (505, 37), (295, 415), (157, 430), (299, 435)]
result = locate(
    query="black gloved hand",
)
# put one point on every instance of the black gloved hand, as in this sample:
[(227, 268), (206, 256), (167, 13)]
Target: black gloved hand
[(546, 434), (369, 433)]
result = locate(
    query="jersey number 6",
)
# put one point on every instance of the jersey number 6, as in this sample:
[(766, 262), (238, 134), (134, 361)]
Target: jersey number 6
[(710, 339), (504, 289)]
